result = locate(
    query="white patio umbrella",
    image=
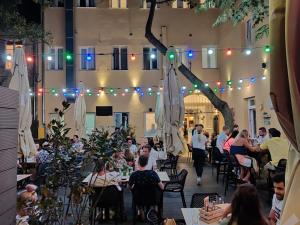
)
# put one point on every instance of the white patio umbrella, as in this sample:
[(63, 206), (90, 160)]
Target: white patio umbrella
[(19, 82), (159, 114), (80, 112), (173, 113)]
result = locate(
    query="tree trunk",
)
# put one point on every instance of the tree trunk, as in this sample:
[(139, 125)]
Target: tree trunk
[(214, 99)]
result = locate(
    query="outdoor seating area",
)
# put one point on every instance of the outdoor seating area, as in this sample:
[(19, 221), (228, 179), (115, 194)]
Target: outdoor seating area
[(159, 112)]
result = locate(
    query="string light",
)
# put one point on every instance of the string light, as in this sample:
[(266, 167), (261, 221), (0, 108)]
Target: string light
[(68, 57), (248, 51), (73, 95), (219, 83), (195, 85), (132, 57), (150, 93), (138, 89), (229, 52), (183, 88), (49, 58), (31, 94), (39, 94), (111, 90), (123, 94), (29, 59), (90, 94), (206, 84), (56, 94), (190, 92), (267, 49), (8, 57), (240, 81), (126, 90), (158, 93), (149, 89), (190, 54), (152, 56), (98, 94), (210, 51), (229, 82), (264, 77), (40, 90), (171, 55), (64, 90), (88, 57), (88, 91), (215, 89), (239, 88)]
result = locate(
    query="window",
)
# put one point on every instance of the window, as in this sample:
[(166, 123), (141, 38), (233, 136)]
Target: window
[(181, 54), (118, 4), (90, 121), (121, 119), (252, 117), (249, 35), (55, 58), (86, 3), (57, 3), (87, 58), (120, 61), (150, 58), (180, 4), (146, 5), (209, 58)]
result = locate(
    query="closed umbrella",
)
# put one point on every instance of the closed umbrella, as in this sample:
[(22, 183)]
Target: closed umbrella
[(80, 112), (173, 113), (19, 82), (159, 114)]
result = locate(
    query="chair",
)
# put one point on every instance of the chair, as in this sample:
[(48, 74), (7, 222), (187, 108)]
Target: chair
[(198, 199), (190, 152), (107, 198), (220, 162), (170, 164), (145, 196), (177, 184), (154, 219), (231, 176)]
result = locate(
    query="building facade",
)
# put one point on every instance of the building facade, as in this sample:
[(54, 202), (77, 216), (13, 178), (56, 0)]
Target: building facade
[(120, 68)]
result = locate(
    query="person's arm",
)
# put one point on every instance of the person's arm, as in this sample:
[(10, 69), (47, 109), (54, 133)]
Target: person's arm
[(161, 185), (250, 147), (226, 212), (272, 217)]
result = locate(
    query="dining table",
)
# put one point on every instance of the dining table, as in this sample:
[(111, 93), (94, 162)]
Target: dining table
[(192, 217)]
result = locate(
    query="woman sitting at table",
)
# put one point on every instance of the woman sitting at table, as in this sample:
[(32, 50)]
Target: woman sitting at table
[(129, 157), (245, 208), (119, 161), (239, 149), (230, 141)]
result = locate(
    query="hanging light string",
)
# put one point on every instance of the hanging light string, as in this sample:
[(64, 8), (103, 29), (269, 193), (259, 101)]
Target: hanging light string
[(217, 87), (189, 53)]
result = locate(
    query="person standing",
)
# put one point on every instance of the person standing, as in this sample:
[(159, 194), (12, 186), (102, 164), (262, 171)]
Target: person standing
[(277, 202), (198, 144)]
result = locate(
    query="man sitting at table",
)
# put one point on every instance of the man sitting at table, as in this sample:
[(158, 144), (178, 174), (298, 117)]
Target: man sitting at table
[(144, 176), (151, 162)]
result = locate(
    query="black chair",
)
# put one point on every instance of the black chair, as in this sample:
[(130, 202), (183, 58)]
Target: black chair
[(198, 199), (231, 176), (154, 219), (146, 196), (176, 184), (107, 198), (170, 165), (219, 162)]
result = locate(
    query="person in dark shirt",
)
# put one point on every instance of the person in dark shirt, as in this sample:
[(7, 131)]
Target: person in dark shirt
[(143, 177)]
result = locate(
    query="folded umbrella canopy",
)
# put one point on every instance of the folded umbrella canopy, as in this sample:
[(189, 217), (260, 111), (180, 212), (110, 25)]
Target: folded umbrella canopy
[(173, 113), (159, 114), (19, 82), (80, 112)]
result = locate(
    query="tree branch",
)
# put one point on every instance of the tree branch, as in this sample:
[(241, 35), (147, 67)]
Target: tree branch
[(149, 35), (215, 100)]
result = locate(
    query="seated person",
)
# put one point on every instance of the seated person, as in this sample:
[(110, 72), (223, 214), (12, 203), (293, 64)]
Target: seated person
[(133, 149), (129, 157), (119, 161), (277, 146), (77, 144), (245, 208), (43, 156), (151, 162), (239, 149), (230, 141), (144, 176), (277, 202), (23, 199)]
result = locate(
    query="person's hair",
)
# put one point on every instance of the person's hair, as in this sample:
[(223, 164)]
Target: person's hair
[(225, 128), (147, 146), (151, 142), (246, 207), (235, 126), (234, 134), (201, 125), (143, 160), (274, 132), (76, 136), (117, 128), (244, 134), (279, 178), (100, 165), (263, 129)]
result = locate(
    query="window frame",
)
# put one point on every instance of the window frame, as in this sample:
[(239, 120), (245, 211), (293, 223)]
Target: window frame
[(207, 47), (87, 2), (119, 4), (120, 58), (150, 59), (55, 58), (88, 64)]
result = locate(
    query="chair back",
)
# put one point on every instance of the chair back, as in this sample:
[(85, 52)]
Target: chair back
[(153, 218), (281, 165), (216, 154), (182, 177), (106, 197), (146, 195), (198, 199)]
